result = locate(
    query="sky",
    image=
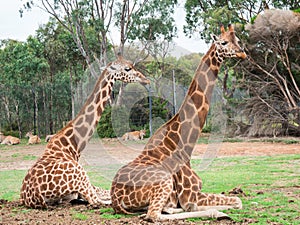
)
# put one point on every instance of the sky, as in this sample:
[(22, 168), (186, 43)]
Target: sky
[(15, 27)]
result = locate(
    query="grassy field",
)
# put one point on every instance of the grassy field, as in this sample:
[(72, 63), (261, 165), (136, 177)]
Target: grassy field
[(271, 185)]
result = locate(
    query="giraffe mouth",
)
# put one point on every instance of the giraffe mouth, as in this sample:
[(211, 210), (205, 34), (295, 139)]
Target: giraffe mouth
[(144, 80), (241, 55)]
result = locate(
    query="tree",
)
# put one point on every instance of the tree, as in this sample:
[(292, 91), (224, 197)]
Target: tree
[(90, 22), (134, 19), (271, 76), (79, 18), (202, 17), (63, 58), (270, 79), (22, 67)]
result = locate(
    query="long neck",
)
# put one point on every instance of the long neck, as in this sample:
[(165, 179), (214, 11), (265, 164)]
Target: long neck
[(177, 137), (81, 128), (195, 106)]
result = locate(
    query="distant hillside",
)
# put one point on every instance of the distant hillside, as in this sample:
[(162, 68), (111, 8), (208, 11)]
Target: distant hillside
[(177, 51)]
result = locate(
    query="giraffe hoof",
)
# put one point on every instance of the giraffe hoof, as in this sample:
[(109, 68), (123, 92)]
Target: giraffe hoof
[(148, 218), (79, 202), (239, 204), (106, 202), (213, 213), (142, 216), (222, 216)]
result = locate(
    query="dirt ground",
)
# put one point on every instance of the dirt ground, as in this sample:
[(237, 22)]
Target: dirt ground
[(104, 153)]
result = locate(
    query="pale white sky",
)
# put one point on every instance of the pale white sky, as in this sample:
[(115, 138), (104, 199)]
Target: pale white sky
[(14, 27)]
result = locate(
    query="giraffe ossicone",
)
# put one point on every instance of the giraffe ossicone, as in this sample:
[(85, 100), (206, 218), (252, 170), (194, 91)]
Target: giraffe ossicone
[(161, 178), (57, 175)]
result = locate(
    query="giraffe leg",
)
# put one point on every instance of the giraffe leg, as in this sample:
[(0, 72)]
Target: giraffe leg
[(171, 206), (211, 213), (31, 195), (217, 201), (77, 184), (94, 195), (103, 194), (160, 196)]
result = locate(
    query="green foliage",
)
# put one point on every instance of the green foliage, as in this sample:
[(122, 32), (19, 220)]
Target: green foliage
[(104, 127), (117, 120), (206, 128), (276, 48), (208, 15), (154, 21), (13, 133), (36, 74)]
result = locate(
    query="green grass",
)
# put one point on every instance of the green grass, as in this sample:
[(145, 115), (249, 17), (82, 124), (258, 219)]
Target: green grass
[(10, 184), (80, 216), (29, 157), (108, 213), (110, 216), (271, 185), (203, 140), (276, 140), (23, 142), (206, 139)]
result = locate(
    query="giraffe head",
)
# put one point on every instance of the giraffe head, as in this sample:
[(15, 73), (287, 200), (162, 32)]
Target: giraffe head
[(124, 70), (28, 134), (227, 44)]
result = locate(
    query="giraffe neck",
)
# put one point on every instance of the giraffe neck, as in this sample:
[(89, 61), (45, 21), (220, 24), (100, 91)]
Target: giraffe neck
[(75, 135), (177, 137)]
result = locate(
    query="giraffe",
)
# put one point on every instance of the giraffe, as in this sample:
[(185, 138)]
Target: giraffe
[(9, 140), (57, 175), (161, 178), (32, 139)]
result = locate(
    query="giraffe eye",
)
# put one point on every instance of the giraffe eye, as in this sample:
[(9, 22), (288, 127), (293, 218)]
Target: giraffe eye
[(127, 69), (224, 42)]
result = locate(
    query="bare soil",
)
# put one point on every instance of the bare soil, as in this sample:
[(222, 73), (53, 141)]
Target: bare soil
[(102, 154)]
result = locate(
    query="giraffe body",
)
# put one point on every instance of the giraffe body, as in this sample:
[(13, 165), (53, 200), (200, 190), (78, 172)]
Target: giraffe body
[(9, 140), (134, 135), (161, 178), (32, 139), (57, 176)]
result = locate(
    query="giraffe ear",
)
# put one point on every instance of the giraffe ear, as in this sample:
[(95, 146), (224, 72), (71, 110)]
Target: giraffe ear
[(214, 37), (222, 29), (231, 27)]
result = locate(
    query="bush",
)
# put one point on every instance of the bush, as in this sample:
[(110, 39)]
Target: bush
[(104, 127)]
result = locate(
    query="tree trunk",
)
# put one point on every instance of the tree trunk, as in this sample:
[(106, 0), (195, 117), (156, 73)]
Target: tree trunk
[(18, 118), (72, 93), (46, 121)]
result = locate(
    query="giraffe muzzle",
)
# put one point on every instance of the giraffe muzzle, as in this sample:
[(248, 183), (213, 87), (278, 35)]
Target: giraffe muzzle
[(144, 80), (241, 55)]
